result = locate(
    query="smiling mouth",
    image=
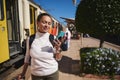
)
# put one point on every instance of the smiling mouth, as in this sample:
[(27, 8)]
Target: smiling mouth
[(45, 28)]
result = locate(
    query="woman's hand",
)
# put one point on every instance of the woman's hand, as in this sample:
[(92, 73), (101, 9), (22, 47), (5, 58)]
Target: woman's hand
[(57, 48), (57, 44), (20, 77), (58, 56)]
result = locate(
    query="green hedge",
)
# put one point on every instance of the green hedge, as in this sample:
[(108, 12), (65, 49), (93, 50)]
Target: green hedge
[(100, 61)]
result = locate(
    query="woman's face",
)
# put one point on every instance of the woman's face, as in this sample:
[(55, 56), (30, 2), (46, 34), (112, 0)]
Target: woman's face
[(44, 24)]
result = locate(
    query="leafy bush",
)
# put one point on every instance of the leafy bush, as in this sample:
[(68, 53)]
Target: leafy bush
[(100, 61)]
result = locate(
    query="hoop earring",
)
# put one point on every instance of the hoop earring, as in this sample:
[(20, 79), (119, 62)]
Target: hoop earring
[(38, 28)]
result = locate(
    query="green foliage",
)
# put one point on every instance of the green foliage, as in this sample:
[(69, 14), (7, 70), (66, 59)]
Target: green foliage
[(98, 17), (100, 61)]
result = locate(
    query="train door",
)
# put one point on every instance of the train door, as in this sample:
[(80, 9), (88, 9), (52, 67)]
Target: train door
[(4, 50), (32, 20), (13, 26)]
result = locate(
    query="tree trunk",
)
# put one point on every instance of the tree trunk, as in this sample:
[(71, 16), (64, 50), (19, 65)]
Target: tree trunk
[(101, 42)]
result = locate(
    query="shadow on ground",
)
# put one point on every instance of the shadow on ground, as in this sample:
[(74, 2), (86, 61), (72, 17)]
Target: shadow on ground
[(68, 65)]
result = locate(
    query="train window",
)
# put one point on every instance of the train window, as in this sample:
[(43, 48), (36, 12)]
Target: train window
[(31, 15), (1, 10)]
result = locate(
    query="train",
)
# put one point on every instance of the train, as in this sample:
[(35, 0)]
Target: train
[(18, 18)]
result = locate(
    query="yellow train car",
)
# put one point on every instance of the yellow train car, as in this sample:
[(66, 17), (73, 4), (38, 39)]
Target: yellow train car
[(17, 21), (4, 50), (16, 16)]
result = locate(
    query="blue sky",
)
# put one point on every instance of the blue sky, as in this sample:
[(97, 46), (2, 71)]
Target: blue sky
[(59, 8)]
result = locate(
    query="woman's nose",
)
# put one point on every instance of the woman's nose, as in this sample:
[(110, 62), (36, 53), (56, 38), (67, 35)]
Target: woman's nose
[(47, 24)]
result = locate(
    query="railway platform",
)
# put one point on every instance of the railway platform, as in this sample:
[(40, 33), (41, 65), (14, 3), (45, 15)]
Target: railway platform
[(69, 67)]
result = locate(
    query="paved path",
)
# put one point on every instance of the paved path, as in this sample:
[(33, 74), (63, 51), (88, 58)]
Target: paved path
[(69, 68)]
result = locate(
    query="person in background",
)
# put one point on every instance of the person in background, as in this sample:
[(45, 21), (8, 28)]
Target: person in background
[(68, 35), (61, 34), (44, 55)]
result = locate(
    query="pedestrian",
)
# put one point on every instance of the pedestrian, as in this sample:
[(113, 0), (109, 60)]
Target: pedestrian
[(68, 35), (61, 34), (44, 65)]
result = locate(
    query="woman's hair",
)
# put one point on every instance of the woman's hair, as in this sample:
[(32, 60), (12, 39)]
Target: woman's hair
[(41, 15)]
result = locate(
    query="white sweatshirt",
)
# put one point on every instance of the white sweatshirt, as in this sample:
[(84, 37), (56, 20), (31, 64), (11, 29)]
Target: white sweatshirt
[(42, 62)]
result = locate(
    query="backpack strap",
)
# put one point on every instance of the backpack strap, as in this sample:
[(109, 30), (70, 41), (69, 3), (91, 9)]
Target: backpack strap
[(51, 38), (32, 37)]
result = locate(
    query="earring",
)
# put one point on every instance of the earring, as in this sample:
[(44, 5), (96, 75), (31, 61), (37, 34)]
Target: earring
[(38, 28)]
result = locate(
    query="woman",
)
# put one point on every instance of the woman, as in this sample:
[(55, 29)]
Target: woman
[(43, 63)]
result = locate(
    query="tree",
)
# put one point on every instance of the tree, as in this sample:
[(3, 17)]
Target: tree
[(98, 17)]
